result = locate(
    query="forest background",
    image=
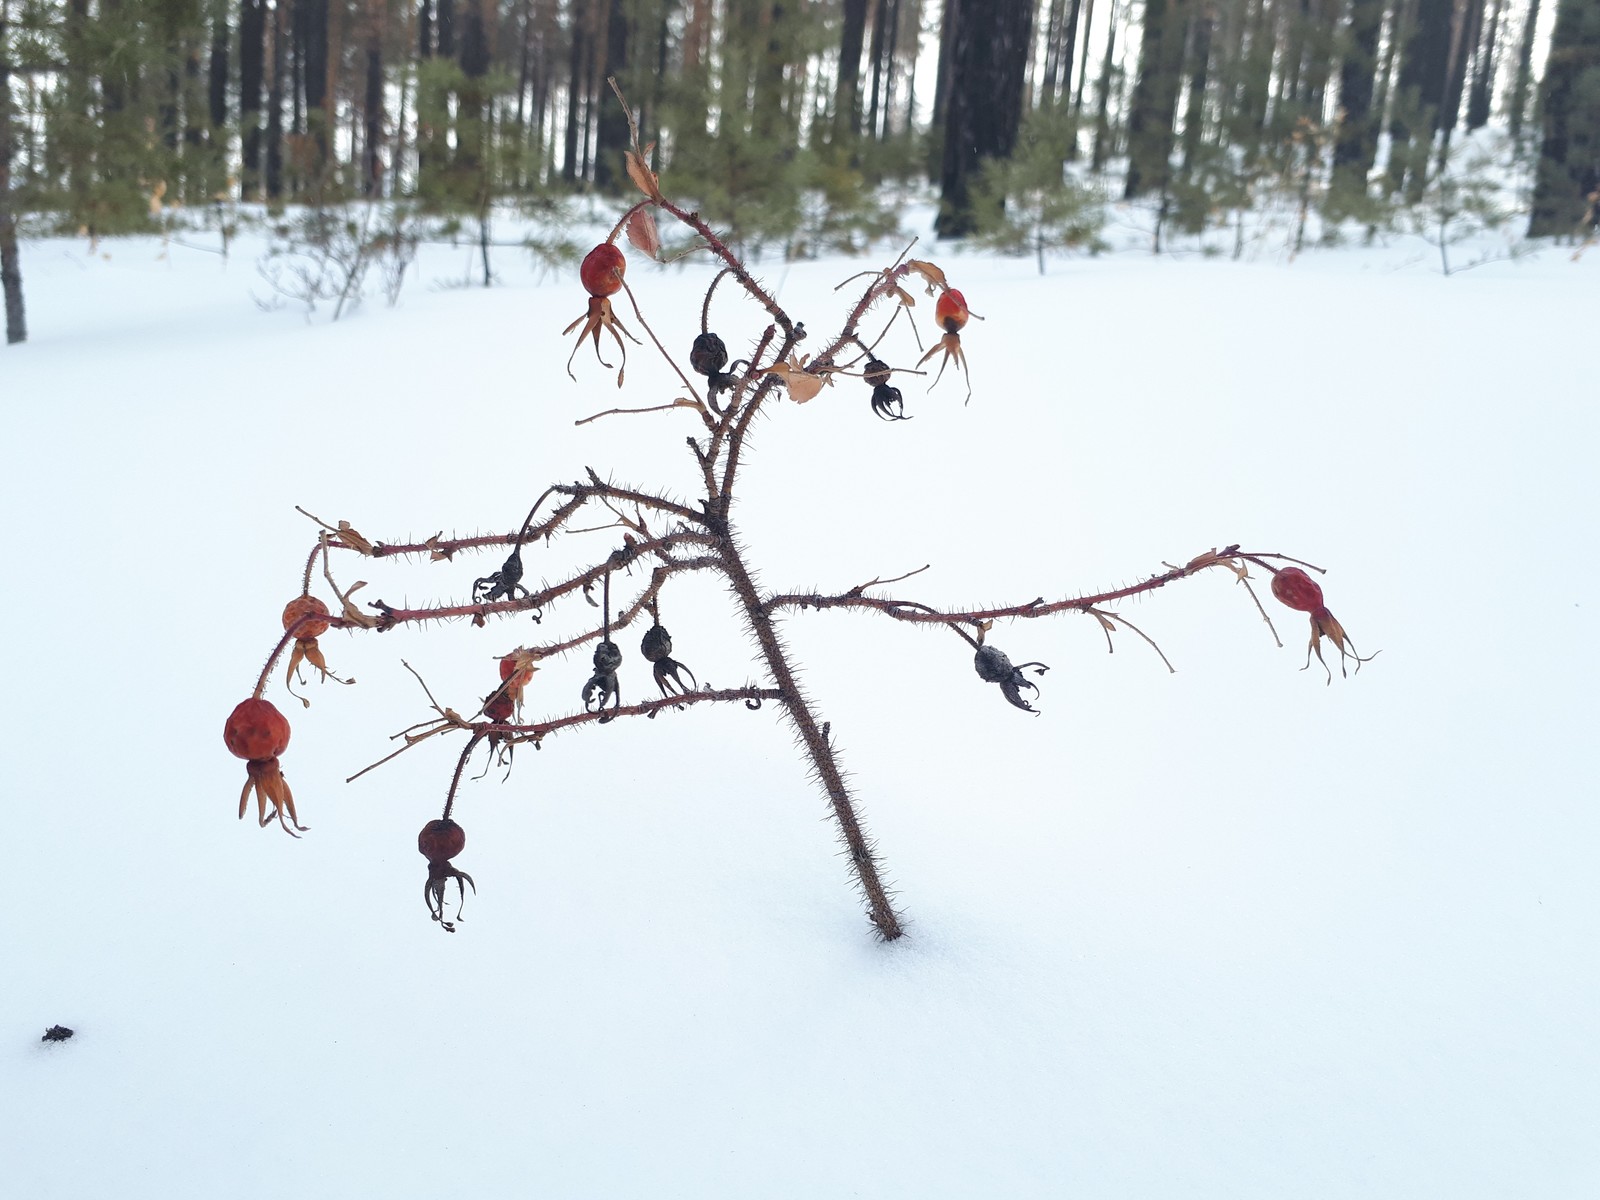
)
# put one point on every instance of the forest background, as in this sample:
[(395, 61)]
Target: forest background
[(797, 125)]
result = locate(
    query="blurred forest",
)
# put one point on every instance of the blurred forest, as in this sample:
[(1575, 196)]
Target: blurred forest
[(798, 124)]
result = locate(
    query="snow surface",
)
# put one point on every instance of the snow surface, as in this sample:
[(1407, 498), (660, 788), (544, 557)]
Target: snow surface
[(1226, 933)]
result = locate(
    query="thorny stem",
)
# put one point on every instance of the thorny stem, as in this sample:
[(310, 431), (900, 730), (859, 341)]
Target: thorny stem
[(817, 745), (289, 635), (390, 617), (461, 765), (906, 610)]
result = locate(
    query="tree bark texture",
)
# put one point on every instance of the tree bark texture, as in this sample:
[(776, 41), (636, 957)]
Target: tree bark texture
[(1355, 145), (10, 257), (1155, 97), (1569, 154), (988, 61)]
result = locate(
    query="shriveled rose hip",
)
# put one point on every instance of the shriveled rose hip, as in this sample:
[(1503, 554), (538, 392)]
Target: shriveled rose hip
[(256, 730), (602, 270), (441, 840), (1298, 590), (300, 608)]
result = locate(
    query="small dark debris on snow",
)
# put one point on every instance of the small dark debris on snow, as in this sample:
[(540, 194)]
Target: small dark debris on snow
[(56, 1033)]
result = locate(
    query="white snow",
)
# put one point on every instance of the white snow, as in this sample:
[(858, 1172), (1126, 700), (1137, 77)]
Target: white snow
[(1227, 933)]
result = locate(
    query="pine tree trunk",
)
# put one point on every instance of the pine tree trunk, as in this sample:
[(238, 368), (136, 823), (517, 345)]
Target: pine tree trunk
[(571, 168), (989, 60), (315, 70), (1521, 85), (847, 100), (611, 128), (1483, 80), (1569, 155), (252, 49), (1356, 144), (10, 258), (1419, 95), (372, 104), (1155, 98), (280, 54), (217, 77), (1199, 67), (1102, 114), (880, 18), (1466, 27)]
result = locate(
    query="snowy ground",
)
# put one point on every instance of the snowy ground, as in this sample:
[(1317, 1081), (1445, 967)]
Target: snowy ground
[(1227, 933)]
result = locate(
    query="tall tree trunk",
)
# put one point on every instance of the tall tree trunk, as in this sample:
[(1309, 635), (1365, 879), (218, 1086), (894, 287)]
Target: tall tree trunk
[(1356, 144), (1569, 155), (1483, 79), (611, 127), (279, 69), (1083, 68), (572, 169), (372, 104), (847, 98), (319, 127), (473, 114), (1419, 95), (880, 18), (1466, 26), (1199, 67), (1155, 97), (10, 259), (1524, 78), (1102, 105), (252, 49), (217, 77), (989, 61)]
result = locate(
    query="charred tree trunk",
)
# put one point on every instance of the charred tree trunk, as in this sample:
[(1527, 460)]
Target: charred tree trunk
[(989, 60)]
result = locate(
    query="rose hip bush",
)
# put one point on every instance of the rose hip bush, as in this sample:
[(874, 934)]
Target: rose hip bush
[(660, 541)]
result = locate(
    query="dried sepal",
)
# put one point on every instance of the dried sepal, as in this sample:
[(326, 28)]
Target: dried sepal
[(639, 171), (931, 275), (643, 233), (802, 384)]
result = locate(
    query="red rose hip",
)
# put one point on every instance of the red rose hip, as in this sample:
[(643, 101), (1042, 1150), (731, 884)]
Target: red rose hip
[(951, 314), (256, 730), (441, 840), (1298, 590), (602, 270), (298, 610)]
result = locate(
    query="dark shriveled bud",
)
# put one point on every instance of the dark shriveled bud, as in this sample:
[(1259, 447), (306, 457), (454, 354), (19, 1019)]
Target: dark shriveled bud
[(708, 355)]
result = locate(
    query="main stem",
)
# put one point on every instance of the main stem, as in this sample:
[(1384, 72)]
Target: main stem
[(862, 861)]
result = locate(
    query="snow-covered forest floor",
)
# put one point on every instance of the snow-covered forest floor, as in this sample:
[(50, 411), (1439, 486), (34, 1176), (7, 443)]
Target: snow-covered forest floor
[(1225, 933)]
